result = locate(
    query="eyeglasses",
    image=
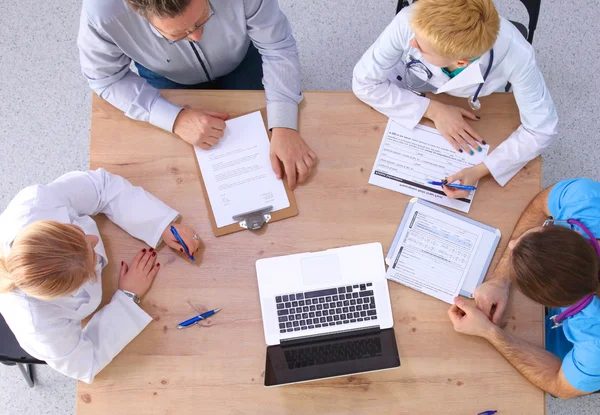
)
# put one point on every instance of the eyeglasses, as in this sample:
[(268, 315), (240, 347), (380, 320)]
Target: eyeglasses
[(416, 75), (189, 32)]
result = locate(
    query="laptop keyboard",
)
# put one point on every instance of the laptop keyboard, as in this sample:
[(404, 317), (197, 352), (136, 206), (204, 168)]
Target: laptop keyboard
[(332, 353), (326, 308)]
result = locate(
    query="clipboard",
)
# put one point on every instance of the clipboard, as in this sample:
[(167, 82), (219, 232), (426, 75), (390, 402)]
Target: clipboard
[(249, 220), (494, 234)]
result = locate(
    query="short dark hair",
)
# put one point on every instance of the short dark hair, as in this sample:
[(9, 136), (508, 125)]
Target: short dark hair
[(555, 267), (158, 8)]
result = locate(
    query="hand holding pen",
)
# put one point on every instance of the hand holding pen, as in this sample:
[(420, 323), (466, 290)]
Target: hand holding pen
[(182, 238)]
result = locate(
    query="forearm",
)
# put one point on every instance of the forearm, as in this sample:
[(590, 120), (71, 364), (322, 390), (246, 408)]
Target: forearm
[(539, 366)]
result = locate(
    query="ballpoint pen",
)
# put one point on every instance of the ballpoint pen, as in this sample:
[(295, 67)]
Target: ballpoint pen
[(487, 413), (454, 186), (187, 251), (196, 319)]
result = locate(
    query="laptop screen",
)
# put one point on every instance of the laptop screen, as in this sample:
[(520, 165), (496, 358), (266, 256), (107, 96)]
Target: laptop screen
[(329, 357)]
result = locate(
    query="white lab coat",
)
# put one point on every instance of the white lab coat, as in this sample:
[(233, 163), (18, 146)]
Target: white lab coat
[(375, 82), (51, 330)]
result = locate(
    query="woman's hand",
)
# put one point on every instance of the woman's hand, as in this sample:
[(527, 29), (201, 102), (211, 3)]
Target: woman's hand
[(450, 122), (138, 277), (189, 236), (468, 177)]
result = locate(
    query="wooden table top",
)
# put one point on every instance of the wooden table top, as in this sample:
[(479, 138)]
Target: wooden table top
[(218, 367)]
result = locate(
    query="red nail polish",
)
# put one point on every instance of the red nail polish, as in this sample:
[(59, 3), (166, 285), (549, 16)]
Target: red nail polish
[(122, 263), (181, 249), (144, 250), (153, 253), (151, 249), (157, 265)]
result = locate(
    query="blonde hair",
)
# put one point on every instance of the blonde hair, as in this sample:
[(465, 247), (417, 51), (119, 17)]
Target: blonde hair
[(457, 29), (47, 260)]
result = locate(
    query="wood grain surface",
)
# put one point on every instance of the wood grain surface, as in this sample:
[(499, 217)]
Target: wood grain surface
[(218, 367)]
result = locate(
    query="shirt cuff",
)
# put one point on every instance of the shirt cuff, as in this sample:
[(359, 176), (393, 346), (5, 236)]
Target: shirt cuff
[(282, 115), (170, 218), (417, 113), (500, 170), (163, 114)]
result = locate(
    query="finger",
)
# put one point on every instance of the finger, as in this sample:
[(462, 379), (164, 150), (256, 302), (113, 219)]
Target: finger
[(124, 269), (216, 133), (153, 272), (453, 143), (464, 305), (276, 165), (453, 314), (221, 115), (474, 145), (468, 114), (498, 313), (474, 134), (290, 172), (204, 146), (458, 194), (211, 141), (145, 258), (138, 258), (216, 123), (312, 155), (308, 161), (462, 144), (150, 263), (302, 171), (448, 191)]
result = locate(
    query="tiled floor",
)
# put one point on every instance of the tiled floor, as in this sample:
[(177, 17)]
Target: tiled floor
[(45, 112)]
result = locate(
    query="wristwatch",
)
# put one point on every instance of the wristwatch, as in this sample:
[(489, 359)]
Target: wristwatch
[(133, 296)]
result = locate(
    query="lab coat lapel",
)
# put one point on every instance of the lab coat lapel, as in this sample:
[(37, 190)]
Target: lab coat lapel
[(470, 76)]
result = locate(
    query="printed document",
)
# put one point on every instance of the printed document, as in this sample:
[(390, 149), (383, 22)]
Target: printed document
[(408, 159), (436, 252), (237, 172)]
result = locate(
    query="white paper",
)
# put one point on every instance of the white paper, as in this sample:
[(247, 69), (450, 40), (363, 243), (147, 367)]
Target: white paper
[(408, 159), (435, 253), (237, 172)]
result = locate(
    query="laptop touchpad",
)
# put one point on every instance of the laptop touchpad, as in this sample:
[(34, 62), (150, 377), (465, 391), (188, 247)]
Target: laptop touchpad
[(320, 269)]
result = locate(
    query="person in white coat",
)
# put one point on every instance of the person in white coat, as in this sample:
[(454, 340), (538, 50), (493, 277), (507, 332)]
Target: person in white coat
[(458, 47), (51, 261)]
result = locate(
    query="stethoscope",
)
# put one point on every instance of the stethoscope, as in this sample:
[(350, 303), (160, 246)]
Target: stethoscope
[(585, 301), (415, 65)]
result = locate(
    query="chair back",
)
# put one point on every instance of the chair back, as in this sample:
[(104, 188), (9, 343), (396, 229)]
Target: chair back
[(532, 6), (10, 350)]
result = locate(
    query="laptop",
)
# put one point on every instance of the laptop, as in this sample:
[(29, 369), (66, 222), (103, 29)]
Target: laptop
[(326, 314)]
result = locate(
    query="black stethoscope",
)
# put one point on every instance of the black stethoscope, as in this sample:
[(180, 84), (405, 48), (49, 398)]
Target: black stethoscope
[(415, 66)]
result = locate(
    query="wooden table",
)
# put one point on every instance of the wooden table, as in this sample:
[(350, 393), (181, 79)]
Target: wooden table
[(218, 368)]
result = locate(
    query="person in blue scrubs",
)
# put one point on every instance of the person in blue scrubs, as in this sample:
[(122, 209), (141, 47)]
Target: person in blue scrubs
[(556, 266)]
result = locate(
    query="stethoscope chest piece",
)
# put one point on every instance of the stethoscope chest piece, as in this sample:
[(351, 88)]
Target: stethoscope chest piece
[(474, 103)]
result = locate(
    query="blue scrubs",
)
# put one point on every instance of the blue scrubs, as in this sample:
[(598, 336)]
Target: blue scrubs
[(577, 341)]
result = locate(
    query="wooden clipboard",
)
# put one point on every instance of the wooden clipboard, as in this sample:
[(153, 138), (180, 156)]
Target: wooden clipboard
[(289, 212)]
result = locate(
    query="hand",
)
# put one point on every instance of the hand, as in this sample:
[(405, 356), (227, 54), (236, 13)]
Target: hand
[(186, 233), (450, 122), (491, 298), (468, 319), (200, 128), (290, 149), (469, 177), (138, 278)]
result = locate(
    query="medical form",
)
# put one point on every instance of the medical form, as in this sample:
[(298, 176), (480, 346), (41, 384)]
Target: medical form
[(408, 159), (440, 253)]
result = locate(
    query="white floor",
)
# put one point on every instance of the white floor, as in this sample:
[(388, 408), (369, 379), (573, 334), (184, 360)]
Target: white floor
[(45, 112)]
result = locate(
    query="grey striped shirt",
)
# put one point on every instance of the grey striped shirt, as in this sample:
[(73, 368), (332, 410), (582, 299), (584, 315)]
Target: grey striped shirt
[(111, 36)]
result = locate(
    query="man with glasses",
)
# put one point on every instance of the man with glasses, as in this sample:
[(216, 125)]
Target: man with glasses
[(553, 259), (196, 44)]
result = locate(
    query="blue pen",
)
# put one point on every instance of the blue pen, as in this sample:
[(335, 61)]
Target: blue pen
[(187, 251), (454, 186), (195, 320), (487, 413)]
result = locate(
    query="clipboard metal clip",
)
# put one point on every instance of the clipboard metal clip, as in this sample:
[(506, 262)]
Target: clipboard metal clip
[(254, 220)]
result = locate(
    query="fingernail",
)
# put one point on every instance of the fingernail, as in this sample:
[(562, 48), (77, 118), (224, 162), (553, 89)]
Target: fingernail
[(157, 265), (153, 253), (478, 117), (471, 152), (460, 149), (151, 249), (181, 249), (478, 148), (122, 263), (484, 143), (144, 250)]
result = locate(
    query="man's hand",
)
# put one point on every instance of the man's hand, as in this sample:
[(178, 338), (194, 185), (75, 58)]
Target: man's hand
[(290, 149), (491, 298), (468, 177), (200, 128), (468, 319), (450, 122)]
